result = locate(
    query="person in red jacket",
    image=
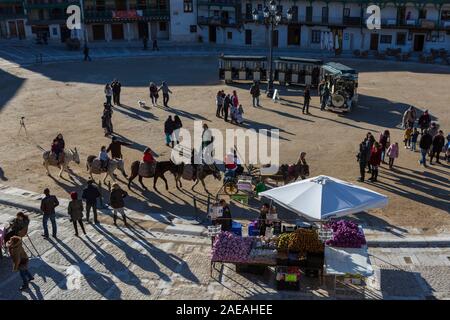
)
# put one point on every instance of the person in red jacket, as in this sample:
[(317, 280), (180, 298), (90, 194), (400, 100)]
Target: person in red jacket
[(148, 157), (375, 160)]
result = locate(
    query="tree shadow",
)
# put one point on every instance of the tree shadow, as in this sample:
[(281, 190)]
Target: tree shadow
[(380, 112), (258, 126), (10, 85)]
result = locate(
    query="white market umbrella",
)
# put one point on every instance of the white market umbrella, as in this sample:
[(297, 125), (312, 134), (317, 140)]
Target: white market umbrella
[(323, 197)]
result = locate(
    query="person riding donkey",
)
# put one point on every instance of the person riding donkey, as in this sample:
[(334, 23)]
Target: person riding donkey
[(57, 148), (104, 159)]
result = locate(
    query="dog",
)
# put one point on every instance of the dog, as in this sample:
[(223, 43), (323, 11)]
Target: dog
[(142, 104)]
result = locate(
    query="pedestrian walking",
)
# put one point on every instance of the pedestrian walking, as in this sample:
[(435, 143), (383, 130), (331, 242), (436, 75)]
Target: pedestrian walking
[(434, 129), (155, 45), (414, 136), (207, 140), (255, 92), (153, 93), (48, 205), (115, 147), (177, 126), (86, 53), (169, 126), (19, 259), (116, 88), (165, 90), (392, 152), (90, 195), (108, 93), (262, 219), (363, 158), (226, 106), (370, 143), (424, 121), (306, 100), (425, 143), (226, 219), (117, 203), (375, 160), (320, 87), (219, 104), (409, 117), (407, 136), (234, 99), (75, 211), (107, 119), (325, 95), (384, 141), (437, 145)]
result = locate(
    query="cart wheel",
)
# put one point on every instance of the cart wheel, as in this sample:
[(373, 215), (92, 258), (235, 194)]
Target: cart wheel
[(230, 188)]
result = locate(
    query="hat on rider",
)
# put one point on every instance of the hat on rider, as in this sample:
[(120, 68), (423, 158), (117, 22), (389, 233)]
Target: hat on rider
[(115, 185), (147, 150), (74, 195)]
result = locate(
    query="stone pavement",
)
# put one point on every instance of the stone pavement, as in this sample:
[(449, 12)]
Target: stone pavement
[(26, 52), (144, 263)]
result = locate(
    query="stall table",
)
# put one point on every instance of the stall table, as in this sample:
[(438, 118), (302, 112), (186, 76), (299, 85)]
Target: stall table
[(349, 268)]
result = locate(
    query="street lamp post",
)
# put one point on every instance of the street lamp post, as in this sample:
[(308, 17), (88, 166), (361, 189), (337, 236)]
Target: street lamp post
[(272, 17)]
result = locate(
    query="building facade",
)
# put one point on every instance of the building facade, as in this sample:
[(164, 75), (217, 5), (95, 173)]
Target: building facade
[(410, 25), (13, 20)]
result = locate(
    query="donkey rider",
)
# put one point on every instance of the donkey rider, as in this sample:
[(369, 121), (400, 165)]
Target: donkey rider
[(57, 148)]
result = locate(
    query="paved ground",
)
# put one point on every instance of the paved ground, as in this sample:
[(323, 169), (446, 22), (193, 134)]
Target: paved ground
[(147, 262), (52, 96), (134, 263)]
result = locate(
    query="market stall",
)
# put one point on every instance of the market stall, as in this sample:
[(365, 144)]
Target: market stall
[(321, 247)]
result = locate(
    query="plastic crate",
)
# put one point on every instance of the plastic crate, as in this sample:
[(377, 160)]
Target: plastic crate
[(253, 230), (236, 228)]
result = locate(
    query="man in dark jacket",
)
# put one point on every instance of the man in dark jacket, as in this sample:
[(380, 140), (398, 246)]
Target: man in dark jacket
[(438, 143), (90, 195), (115, 147), (169, 127), (424, 121), (48, 205), (117, 202), (226, 106), (225, 220), (363, 158), (255, 92), (306, 100), (116, 87), (425, 143)]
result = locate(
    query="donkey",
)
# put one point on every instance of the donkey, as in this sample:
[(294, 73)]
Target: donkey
[(203, 170), (161, 168), (112, 166), (69, 155), (289, 173)]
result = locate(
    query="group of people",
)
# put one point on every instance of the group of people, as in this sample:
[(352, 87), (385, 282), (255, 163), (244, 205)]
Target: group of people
[(172, 128), (432, 140), (228, 105), (372, 153), (112, 91), (154, 93)]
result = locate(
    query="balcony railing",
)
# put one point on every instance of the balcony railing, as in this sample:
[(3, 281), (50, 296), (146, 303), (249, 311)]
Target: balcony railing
[(109, 13), (415, 23), (217, 21), (222, 3), (39, 4)]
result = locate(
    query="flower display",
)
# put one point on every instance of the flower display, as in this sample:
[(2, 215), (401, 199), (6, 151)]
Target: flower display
[(346, 234), (228, 247)]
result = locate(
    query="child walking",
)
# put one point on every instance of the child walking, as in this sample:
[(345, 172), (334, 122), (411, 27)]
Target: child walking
[(407, 137), (392, 153)]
